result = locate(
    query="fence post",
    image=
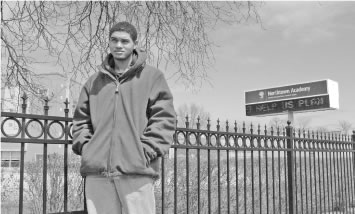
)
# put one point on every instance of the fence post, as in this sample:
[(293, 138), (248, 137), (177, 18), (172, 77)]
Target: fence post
[(290, 165), (22, 158), (66, 131), (45, 155)]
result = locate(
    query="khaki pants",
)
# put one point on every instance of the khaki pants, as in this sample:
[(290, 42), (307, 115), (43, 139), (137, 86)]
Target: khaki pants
[(120, 195)]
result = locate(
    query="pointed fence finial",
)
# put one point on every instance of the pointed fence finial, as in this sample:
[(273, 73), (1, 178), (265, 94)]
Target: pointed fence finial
[(46, 107), (265, 130), (66, 102), (317, 134), (198, 122), (24, 102), (312, 134), (259, 129), (66, 110), (227, 126), (187, 121), (24, 97), (218, 126), (208, 124), (235, 126)]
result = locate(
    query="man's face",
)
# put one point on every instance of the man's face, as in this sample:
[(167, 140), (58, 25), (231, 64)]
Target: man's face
[(121, 45)]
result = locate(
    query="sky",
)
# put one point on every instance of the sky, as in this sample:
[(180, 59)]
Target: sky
[(298, 42)]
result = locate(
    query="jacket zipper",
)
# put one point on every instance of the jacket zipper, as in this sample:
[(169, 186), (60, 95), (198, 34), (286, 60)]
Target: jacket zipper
[(113, 128)]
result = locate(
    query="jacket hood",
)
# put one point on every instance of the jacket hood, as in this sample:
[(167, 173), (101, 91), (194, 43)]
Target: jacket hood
[(137, 64)]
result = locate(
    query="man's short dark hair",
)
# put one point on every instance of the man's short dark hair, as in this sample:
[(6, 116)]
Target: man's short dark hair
[(125, 27)]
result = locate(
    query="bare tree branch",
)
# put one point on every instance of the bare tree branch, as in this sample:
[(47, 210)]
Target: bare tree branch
[(345, 126), (74, 34)]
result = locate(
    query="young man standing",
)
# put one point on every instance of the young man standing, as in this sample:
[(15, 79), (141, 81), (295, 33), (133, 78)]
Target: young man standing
[(123, 124)]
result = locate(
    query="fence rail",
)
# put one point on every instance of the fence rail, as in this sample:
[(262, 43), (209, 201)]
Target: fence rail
[(238, 169)]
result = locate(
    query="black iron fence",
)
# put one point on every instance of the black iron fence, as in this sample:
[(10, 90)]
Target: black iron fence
[(234, 169)]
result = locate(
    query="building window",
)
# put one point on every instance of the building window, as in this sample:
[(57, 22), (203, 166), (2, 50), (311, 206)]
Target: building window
[(5, 163), (10, 158)]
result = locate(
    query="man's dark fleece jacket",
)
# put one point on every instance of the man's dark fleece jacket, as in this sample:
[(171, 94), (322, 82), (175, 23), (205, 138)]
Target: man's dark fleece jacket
[(121, 120)]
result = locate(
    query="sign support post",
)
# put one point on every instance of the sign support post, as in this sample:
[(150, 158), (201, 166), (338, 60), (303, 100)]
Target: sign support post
[(290, 162), (290, 117)]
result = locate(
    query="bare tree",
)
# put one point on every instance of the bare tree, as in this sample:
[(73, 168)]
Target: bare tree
[(322, 129), (74, 34), (10, 184), (277, 123), (193, 112), (345, 126), (303, 123), (55, 188)]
